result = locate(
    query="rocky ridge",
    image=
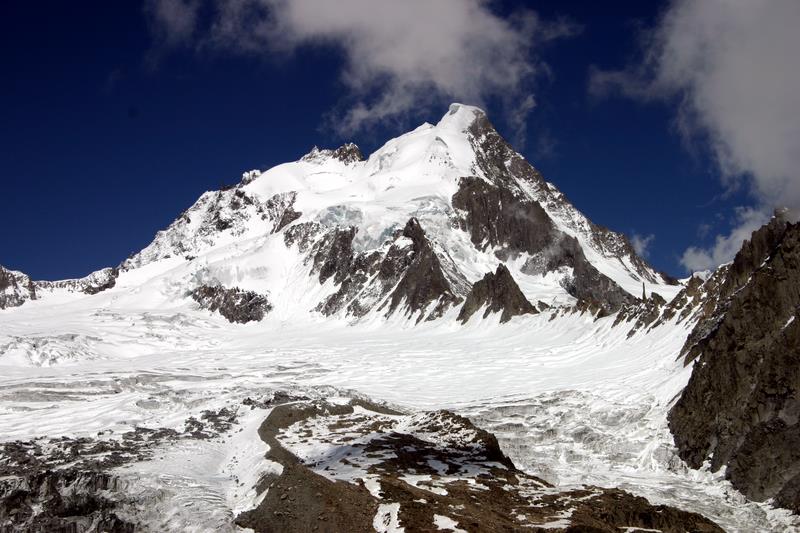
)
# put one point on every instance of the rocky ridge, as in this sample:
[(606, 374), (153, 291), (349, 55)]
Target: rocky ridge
[(496, 293), (746, 348), (359, 466), (15, 288)]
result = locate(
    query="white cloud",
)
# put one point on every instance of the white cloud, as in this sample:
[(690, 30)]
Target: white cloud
[(399, 56), (725, 246), (641, 243), (173, 21), (732, 66)]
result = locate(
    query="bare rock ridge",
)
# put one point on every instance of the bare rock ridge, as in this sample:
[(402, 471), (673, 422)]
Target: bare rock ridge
[(646, 312), (730, 278), (95, 282), (405, 470), (15, 288), (280, 208), (405, 275), (741, 407), (347, 153), (498, 293), (424, 283), (500, 217), (498, 159)]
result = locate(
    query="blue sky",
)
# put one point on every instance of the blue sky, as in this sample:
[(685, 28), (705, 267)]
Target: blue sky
[(113, 121)]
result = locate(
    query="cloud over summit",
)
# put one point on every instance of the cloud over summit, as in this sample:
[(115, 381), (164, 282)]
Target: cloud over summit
[(398, 56)]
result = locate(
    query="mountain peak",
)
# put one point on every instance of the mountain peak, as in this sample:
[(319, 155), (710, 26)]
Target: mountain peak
[(460, 117), (346, 153)]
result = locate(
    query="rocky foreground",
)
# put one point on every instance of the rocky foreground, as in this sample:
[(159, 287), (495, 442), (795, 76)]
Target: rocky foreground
[(344, 465)]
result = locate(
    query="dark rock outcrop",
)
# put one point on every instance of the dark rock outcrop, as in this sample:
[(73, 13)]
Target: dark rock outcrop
[(506, 167), (502, 217), (302, 235), (15, 288), (348, 153), (588, 284), (102, 280), (280, 208), (333, 254), (350, 294), (721, 286), (499, 293), (406, 275), (647, 312), (60, 501), (741, 407), (496, 216), (234, 304), (423, 282)]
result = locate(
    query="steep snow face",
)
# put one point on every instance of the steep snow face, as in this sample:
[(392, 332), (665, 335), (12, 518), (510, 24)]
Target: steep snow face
[(414, 175)]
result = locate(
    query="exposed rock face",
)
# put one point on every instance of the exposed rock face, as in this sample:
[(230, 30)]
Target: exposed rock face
[(406, 275), (231, 211), (94, 283), (333, 254), (502, 217), (498, 292), (404, 471), (647, 312), (234, 304), (353, 293), (587, 283), (348, 153), (15, 288), (423, 283), (60, 501), (280, 209), (101, 280), (498, 160), (741, 406)]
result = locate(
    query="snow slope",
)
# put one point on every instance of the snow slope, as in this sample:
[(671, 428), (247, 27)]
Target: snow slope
[(572, 400)]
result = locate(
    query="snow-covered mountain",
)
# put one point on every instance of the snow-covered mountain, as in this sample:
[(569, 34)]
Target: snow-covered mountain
[(323, 342), (408, 230)]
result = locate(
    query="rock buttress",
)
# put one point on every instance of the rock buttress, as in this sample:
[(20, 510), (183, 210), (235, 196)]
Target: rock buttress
[(741, 406), (499, 293)]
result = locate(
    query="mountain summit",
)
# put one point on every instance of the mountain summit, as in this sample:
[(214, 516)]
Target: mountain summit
[(406, 231)]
